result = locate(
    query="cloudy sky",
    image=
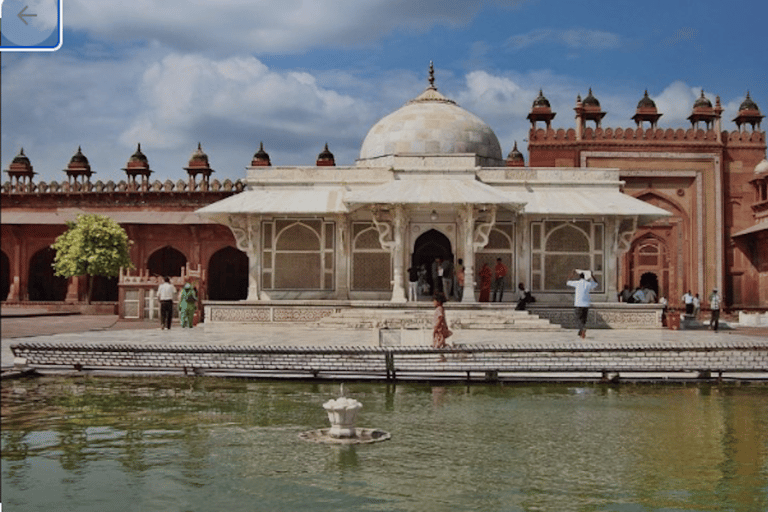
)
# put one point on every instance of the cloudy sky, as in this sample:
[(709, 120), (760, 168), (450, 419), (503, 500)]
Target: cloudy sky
[(296, 74)]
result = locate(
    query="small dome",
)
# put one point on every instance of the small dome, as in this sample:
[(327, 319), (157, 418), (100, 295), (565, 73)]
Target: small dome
[(541, 101), (21, 158), (326, 157), (515, 155), (748, 104), (590, 100), (198, 156), (78, 158), (762, 167), (646, 102), (261, 157), (702, 102), (138, 156)]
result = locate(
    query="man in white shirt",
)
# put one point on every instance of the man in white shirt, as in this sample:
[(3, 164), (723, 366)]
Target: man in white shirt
[(581, 298), (688, 301), (165, 294)]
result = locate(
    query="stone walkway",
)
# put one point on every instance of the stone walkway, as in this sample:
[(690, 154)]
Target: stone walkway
[(109, 329)]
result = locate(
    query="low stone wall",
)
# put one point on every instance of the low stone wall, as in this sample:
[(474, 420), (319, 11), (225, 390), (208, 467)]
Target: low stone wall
[(605, 315), (391, 363)]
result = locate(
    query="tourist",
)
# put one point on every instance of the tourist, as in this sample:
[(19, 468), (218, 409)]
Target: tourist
[(187, 305), (165, 293), (440, 330), (423, 283), (714, 305), (437, 275), (649, 295), (499, 271), (581, 298), (696, 306), (413, 284), (447, 278), (523, 297), (485, 283), (688, 301), (625, 294), (638, 297), (460, 280)]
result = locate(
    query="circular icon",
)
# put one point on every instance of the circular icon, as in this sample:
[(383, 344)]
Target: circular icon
[(30, 22)]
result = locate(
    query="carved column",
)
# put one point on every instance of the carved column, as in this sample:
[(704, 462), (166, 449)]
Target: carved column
[(247, 233), (398, 290), (467, 217), (343, 257)]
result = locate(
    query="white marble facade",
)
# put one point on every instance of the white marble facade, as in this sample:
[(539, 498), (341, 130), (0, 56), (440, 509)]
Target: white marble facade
[(430, 181)]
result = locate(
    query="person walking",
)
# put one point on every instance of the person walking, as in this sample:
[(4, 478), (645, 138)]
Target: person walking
[(714, 305), (696, 306), (499, 271), (440, 329), (187, 305), (413, 284), (581, 301), (165, 293)]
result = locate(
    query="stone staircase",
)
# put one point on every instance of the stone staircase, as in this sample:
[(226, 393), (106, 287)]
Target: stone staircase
[(459, 317)]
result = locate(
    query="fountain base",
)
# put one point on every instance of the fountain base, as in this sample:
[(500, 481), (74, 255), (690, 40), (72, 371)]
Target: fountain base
[(362, 436)]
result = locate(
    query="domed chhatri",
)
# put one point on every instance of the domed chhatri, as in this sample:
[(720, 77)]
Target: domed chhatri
[(326, 158), (431, 124), (261, 157), (749, 114), (702, 102), (646, 111)]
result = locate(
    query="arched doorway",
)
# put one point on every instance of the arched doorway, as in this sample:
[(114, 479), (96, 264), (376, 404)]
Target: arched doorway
[(43, 284), (228, 275), (5, 276), (430, 245), (649, 265), (166, 262)]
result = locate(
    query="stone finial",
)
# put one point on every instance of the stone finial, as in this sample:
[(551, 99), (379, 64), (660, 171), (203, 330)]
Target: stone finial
[(325, 158), (431, 76)]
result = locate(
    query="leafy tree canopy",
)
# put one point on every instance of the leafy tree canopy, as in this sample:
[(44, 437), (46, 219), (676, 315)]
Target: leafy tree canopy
[(94, 245)]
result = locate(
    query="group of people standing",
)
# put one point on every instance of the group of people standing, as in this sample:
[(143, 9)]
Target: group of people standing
[(693, 307), (166, 292)]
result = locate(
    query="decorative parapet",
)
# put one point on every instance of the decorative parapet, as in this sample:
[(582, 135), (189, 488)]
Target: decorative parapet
[(121, 186), (638, 134)]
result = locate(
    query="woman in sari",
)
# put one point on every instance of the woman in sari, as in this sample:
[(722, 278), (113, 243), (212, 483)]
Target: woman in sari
[(187, 305), (485, 283), (440, 331)]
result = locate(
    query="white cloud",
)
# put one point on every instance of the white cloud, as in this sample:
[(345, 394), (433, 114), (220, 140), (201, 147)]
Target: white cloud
[(265, 26)]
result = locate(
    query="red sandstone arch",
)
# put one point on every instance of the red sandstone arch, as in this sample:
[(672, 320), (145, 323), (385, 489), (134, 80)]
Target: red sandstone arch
[(166, 261), (228, 275), (672, 268), (43, 284)]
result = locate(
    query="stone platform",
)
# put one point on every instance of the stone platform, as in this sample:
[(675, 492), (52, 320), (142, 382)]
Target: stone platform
[(418, 315)]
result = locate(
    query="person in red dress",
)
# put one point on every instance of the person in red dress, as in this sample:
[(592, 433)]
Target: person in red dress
[(485, 283)]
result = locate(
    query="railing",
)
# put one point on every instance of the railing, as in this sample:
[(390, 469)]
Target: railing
[(459, 363)]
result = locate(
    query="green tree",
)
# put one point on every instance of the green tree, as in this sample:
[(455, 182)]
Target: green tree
[(94, 245)]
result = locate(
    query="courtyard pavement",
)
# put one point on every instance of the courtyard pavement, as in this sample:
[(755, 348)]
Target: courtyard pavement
[(32, 327)]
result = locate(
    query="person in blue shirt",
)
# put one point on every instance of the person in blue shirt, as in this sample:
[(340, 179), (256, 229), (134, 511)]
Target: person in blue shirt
[(581, 299)]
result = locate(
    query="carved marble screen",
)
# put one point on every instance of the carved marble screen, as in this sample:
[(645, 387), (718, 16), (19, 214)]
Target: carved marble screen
[(371, 265), (298, 254), (557, 247)]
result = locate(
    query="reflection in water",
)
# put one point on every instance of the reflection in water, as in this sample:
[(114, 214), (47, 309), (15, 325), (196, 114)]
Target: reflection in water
[(204, 443)]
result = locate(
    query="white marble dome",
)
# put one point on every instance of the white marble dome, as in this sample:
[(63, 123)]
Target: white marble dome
[(430, 124)]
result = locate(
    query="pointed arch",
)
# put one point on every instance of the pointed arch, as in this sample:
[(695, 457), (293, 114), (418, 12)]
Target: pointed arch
[(166, 261)]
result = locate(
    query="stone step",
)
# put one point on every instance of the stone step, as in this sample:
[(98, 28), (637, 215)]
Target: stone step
[(364, 318)]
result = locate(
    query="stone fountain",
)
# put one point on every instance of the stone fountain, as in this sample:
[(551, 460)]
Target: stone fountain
[(342, 413)]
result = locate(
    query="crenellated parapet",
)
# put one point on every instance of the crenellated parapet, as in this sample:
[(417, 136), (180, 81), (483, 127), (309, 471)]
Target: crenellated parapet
[(624, 135), (120, 187)]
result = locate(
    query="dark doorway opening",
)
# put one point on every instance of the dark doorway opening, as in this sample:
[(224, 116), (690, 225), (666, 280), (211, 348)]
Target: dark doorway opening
[(651, 281), (44, 285), (5, 276), (430, 245), (228, 275), (166, 262)]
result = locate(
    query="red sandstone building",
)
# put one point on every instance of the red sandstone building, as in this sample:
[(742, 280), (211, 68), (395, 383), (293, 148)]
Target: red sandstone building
[(713, 182)]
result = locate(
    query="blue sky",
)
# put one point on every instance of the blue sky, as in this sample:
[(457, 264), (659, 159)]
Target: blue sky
[(299, 73)]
